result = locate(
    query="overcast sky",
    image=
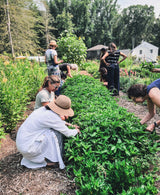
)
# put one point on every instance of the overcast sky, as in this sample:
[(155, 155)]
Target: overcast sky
[(155, 3)]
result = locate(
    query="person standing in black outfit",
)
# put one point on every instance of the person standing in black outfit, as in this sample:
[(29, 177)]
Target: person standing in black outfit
[(111, 60)]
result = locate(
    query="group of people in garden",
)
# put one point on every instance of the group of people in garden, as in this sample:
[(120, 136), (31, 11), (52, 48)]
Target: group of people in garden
[(40, 137), (109, 71)]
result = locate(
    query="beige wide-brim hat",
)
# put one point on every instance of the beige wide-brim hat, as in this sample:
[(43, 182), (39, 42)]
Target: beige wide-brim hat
[(61, 106), (53, 43)]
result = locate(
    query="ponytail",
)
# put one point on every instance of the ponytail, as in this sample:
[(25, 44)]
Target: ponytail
[(52, 79)]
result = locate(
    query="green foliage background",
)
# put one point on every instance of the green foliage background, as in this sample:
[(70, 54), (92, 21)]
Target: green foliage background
[(97, 21)]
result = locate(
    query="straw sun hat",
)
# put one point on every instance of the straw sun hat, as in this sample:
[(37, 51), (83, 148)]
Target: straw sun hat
[(61, 106), (53, 43)]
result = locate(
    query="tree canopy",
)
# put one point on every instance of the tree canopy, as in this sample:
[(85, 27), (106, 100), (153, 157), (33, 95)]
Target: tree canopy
[(96, 21), (134, 25)]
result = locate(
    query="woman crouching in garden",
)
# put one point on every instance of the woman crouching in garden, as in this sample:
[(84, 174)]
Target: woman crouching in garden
[(37, 137), (139, 93)]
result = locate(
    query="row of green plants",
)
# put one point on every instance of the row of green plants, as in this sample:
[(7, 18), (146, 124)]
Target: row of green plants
[(19, 82), (92, 67), (113, 154)]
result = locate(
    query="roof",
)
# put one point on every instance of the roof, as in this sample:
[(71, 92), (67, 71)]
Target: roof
[(97, 47), (125, 51), (146, 45)]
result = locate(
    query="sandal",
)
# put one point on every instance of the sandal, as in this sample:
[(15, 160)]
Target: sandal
[(52, 165)]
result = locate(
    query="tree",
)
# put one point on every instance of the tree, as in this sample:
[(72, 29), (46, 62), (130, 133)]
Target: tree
[(156, 34), (81, 16), (58, 9), (22, 21), (4, 43), (104, 16), (94, 20), (43, 26), (134, 25), (64, 22)]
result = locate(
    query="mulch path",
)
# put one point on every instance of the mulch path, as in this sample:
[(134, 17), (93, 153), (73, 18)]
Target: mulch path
[(16, 179)]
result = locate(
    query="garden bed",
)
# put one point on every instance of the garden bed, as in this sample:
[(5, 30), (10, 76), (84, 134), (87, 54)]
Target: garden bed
[(15, 179)]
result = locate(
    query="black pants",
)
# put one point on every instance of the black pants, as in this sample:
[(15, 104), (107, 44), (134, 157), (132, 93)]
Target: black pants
[(113, 77)]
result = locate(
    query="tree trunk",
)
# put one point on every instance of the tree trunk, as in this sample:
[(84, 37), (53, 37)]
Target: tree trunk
[(46, 26), (9, 28)]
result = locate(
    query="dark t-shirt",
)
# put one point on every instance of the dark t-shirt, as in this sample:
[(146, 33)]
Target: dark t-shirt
[(63, 67), (155, 83)]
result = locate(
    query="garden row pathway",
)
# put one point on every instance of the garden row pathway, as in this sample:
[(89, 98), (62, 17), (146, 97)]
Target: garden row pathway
[(15, 179)]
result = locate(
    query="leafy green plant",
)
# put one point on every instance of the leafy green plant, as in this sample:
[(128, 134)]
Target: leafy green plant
[(147, 65), (92, 67), (113, 154), (2, 134), (127, 63), (93, 70), (72, 49), (126, 82), (19, 83), (85, 65)]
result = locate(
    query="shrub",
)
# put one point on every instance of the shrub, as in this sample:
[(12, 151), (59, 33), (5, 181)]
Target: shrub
[(1, 128), (72, 49), (19, 83), (147, 65), (92, 67), (127, 62), (126, 82), (85, 65)]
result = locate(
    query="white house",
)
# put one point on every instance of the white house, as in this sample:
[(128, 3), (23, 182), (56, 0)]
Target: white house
[(145, 52)]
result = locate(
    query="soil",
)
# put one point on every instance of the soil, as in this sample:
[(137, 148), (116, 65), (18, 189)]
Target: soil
[(16, 179)]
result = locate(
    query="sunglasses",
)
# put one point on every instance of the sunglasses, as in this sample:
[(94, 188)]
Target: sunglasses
[(53, 82), (52, 46)]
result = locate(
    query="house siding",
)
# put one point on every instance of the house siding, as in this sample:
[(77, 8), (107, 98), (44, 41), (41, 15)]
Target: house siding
[(145, 52)]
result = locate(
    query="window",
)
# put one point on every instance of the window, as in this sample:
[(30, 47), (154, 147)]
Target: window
[(151, 50), (140, 51)]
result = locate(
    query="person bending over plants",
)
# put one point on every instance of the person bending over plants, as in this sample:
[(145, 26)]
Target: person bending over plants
[(38, 137), (46, 92), (103, 75), (139, 93), (103, 68), (66, 67)]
